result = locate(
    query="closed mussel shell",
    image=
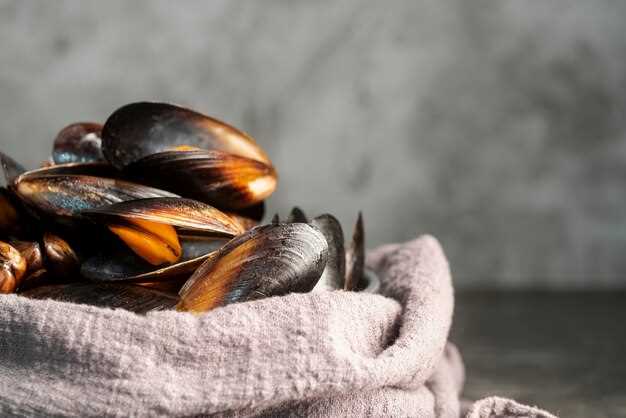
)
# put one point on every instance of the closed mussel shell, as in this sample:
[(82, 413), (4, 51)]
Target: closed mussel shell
[(267, 260), (78, 143), (140, 129), (220, 179), (31, 251)]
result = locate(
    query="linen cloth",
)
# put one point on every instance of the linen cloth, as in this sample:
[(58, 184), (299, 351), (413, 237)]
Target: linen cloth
[(318, 354)]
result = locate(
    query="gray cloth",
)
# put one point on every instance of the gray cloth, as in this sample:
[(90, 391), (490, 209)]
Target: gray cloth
[(317, 354)]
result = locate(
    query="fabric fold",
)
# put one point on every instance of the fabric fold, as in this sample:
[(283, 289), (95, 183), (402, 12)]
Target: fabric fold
[(316, 354)]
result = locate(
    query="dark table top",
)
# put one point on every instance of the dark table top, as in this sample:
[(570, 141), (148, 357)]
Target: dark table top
[(564, 352)]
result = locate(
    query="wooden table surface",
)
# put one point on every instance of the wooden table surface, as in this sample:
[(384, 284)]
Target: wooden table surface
[(565, 352)]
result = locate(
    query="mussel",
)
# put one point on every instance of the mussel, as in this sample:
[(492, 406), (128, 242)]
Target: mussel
[(147, 226), (355, 257), (78, 143), (192, 154), (31, 251), (267, 260), (225, 180), (334, 274), (64, 196), (61, 259), (346, 266), (141, 129), (174, 198), (12, 267), (130, 297), (51, 260)]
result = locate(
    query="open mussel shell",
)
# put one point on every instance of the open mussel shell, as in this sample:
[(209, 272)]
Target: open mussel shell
[(333, 277), (265, 261), (106, 295), (223, 180), (355, 257), (66, 195), (140, 129), (118, 264), (187, 215), (78, 143)]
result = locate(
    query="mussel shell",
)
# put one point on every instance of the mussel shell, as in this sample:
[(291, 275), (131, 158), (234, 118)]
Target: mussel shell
[(31, 251), (297, 215), (60, 258), (120, 264), (355, 257), (12, 267), (8, 281), (223, 180), (186, 215), (96, 169), (10, 170), (78, 143), (265, 261), (140, 129), (106, 295), (333, 277), (67, 195)]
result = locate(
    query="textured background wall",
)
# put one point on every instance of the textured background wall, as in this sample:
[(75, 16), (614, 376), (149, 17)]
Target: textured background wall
[(498, 126)]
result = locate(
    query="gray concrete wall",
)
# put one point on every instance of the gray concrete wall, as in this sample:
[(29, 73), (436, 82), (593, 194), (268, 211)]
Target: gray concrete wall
[(497, 126)]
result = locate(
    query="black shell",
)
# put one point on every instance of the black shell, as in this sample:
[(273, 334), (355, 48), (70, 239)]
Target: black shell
[(267, 260), (140, 129), (223, 180), (186, 215), (66, 195), (333, 276), (78, 143)]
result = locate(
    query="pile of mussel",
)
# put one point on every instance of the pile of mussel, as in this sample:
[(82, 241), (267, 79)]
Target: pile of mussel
[(161, 207)]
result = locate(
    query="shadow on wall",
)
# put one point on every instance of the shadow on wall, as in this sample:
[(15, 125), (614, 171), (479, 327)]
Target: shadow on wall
[(496, 126)]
